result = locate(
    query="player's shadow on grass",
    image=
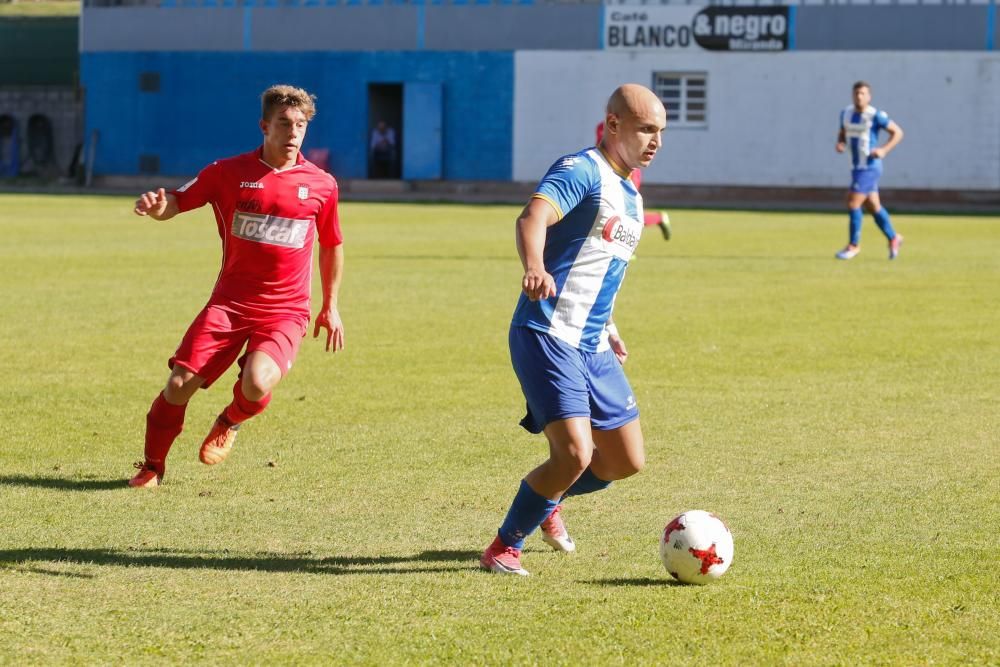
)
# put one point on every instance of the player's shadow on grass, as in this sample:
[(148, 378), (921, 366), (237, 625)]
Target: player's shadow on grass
[(460, 258), (733, 258), (633, 581), (62, 483), (25, 559)]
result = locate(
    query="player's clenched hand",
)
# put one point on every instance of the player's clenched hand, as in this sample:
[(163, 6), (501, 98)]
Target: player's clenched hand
[(841, 146), (538, 285), (877, 153), (618, 347), (329, 319), (153, 204)]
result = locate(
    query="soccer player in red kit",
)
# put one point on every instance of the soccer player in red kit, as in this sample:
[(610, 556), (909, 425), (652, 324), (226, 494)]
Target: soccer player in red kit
[(650, 218), (269, 206)]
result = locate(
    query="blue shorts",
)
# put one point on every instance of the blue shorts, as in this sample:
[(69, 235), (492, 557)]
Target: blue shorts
[(865, 181), (560, 381)]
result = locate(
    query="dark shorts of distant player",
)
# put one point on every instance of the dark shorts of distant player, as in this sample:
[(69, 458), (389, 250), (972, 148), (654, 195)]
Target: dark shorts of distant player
[(217, 336), (865, 181), (559, 381)]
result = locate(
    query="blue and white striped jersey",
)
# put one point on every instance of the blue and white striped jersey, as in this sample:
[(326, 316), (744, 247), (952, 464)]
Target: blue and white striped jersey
[(587, 251), (861, 130)]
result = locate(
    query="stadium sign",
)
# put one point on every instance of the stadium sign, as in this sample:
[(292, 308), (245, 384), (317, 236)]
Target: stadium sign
[(742, 29), (683, 28)]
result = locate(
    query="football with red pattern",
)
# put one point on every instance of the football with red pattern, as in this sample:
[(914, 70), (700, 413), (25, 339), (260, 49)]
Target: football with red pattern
[(696, 547)]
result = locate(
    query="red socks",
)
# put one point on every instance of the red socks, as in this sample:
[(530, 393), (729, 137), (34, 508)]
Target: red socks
[(242, 408), (164, 423)]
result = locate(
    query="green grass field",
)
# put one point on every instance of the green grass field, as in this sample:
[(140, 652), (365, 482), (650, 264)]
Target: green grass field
[(36, 8), (841, 416), (39, 8)]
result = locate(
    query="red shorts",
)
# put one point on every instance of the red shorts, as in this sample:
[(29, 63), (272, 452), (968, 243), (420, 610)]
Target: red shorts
[(217, 336)]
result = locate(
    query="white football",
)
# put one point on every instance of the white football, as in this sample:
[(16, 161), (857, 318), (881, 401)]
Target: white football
[(696, 547)]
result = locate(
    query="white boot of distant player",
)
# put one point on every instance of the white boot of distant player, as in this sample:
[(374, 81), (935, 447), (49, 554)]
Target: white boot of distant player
[(661, 220)]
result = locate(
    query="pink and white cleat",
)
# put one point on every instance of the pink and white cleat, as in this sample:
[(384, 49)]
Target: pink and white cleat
[(894, 246), (850, 252), (502, 559), (554, 532)]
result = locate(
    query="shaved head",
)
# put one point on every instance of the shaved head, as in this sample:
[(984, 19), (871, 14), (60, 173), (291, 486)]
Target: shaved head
[(633, 124), (631, 98)]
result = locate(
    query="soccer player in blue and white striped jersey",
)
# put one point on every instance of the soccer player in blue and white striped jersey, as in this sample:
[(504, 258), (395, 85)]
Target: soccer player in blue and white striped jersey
[(575, 238), (860, 124)]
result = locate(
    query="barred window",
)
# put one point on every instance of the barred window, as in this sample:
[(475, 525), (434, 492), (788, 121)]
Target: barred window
[(685, 96)]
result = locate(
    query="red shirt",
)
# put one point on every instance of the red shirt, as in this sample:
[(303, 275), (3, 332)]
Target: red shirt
[(267, 220)]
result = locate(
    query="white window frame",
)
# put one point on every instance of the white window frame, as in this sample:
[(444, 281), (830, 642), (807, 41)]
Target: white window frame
[(686, 109)]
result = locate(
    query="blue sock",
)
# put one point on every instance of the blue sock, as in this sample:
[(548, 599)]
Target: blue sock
[(856, 217), (526, 514), (588, 482), (882, 220)]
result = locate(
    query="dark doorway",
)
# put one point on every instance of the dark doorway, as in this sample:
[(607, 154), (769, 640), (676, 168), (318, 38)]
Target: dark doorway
[(10, 147), (385, 124), (41, 143)]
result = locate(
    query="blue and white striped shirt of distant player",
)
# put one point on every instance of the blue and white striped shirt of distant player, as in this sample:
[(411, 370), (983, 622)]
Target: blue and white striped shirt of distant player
[(586, 251), (861, 130)]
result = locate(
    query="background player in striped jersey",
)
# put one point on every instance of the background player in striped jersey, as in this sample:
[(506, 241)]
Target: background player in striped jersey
[(269, 206), (575, 238), (860, 124)]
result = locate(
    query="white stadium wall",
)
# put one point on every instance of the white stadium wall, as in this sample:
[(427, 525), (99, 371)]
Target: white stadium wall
[(772, 117)]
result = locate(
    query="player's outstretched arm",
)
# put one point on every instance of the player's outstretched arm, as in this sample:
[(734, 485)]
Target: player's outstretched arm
[(157, 205), (331, 269), (536, 217)]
